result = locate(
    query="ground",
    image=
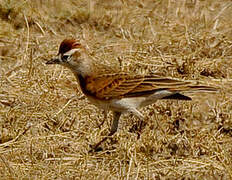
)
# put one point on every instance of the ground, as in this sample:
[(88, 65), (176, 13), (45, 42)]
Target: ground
[(47, 126)]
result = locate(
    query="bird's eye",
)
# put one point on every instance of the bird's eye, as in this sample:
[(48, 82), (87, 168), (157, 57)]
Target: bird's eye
[(65, 57)]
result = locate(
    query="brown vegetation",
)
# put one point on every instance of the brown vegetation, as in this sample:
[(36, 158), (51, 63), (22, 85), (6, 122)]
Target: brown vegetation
[(47, 126)]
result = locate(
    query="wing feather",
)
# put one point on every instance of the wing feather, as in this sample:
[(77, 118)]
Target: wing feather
[(125, 85)]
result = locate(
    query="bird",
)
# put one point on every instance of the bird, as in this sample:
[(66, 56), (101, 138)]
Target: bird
[(119, 92)]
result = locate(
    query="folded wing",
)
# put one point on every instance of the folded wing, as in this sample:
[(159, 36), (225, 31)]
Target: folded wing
[(124, 85)]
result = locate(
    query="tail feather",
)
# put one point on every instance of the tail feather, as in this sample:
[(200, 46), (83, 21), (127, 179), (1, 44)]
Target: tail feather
[(192, 88), (178, 96)]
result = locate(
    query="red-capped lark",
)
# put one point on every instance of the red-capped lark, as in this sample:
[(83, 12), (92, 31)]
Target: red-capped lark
[(119, 92)]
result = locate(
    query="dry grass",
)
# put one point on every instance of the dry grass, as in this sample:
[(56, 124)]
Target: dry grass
[(46, 127)]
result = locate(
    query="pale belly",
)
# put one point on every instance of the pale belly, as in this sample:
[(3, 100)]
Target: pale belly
[(120, 105)]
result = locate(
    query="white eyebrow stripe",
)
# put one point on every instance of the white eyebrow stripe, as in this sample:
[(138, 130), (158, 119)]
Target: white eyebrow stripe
[(72, 51)]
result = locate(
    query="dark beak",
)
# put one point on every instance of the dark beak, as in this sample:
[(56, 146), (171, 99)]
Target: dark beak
[(53, 61)]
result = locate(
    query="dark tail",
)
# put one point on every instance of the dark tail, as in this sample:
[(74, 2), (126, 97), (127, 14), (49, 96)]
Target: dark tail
[(178, 96)]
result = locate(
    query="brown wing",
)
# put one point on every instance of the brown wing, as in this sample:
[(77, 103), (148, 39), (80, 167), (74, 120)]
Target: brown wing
[(124, 85)]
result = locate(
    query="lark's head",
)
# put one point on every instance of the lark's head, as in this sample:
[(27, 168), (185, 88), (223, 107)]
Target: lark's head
[(74, 56), (70, 51)]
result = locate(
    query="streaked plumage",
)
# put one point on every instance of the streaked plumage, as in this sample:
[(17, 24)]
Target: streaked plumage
[(117, 91)]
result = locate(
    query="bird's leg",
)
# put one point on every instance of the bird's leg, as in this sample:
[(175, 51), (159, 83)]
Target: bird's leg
[(114, 127)]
